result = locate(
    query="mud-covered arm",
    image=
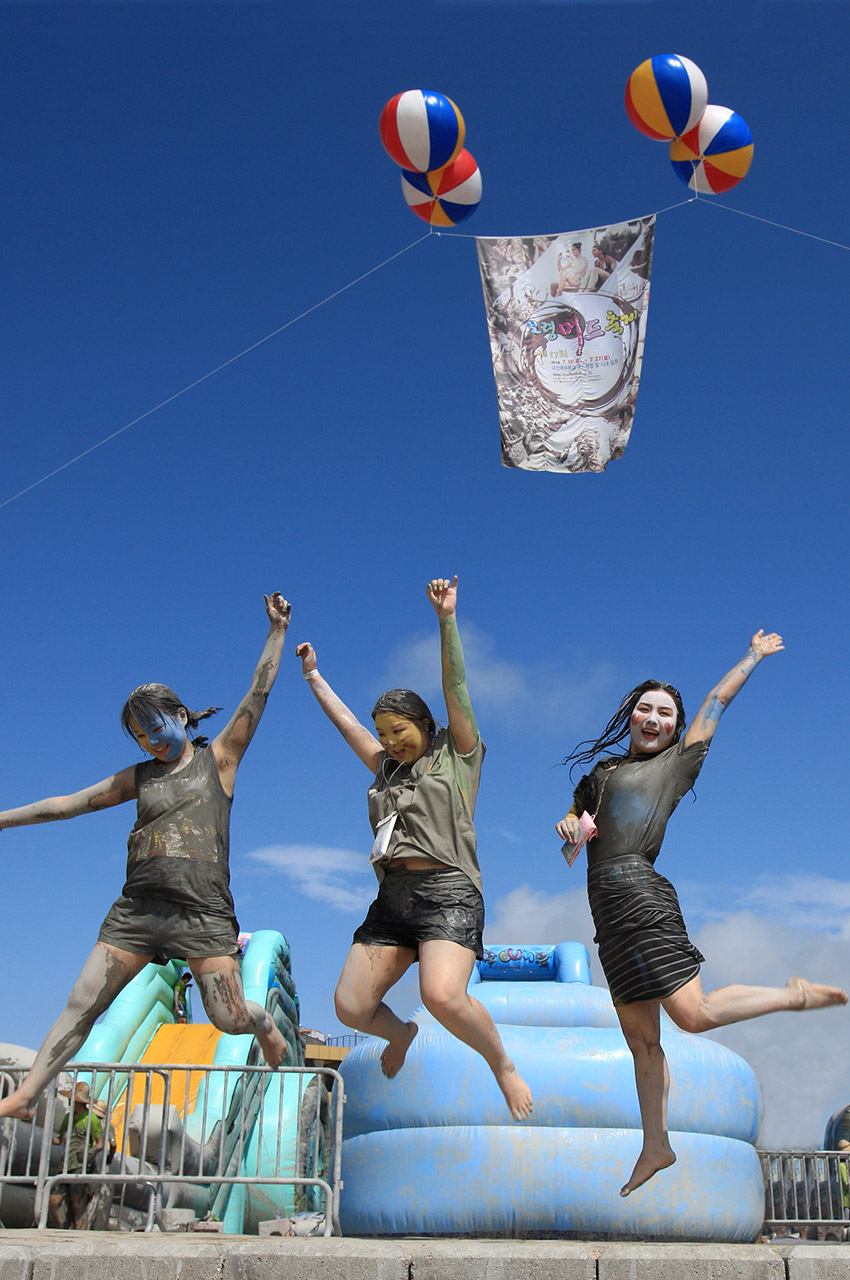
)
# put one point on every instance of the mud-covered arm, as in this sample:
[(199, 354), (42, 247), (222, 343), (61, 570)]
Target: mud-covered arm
[(704, 724), (231, 744), (102, 795), (443, 596), (363, 743)]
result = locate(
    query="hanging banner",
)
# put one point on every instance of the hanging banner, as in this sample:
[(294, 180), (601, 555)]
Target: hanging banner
[(567, 319)]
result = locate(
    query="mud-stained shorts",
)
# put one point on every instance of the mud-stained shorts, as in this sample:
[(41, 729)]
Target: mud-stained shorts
[(168, 930), (424, 906)]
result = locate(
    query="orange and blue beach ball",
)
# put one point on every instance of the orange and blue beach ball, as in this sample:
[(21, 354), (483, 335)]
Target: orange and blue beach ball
[(665, 96), (716, 154)]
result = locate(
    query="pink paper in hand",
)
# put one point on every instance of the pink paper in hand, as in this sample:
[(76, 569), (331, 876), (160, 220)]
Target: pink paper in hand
[(588, 831)]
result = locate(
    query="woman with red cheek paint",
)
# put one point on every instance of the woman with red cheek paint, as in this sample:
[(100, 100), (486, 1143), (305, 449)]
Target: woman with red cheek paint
[(644, 949), (176, 901), (429, 906)]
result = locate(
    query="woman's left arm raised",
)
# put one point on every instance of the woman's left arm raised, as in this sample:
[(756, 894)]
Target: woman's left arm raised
[(704, 723), (443, 596), (232, 743)]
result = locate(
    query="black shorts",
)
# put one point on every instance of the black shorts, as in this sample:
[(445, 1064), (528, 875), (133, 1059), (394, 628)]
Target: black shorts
[(168, 930), (425, 906)]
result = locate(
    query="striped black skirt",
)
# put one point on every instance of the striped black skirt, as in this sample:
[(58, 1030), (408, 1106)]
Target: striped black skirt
[(644, 948)]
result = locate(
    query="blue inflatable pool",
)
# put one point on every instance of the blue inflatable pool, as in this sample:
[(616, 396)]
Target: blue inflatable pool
[(436, 1152)]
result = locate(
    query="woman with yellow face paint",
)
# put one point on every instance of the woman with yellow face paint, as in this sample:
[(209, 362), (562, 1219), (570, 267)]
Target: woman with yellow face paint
[(429, 906), (176, 901)]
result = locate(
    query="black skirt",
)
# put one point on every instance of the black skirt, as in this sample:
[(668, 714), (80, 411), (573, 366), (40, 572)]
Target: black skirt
[(644, 948)]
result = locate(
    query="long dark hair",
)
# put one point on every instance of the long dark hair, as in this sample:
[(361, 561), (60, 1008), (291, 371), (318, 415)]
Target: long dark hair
[(404, 702), (150, 700), (617, 728)]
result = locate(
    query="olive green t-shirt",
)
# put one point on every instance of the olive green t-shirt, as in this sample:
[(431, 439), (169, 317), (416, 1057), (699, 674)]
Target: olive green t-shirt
[(435, 802)]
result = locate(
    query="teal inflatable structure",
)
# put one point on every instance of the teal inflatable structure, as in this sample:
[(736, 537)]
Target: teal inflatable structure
[(435, 1151), (126, 1034)]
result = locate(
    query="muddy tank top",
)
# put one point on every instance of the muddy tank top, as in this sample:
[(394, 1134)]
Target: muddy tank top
[(180, 845)]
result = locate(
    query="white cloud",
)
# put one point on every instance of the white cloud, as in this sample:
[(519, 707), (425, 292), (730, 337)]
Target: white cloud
[(815, 902), (338, 878), (794, 925), (526, 915), (800, 1059), (510, 836), (530, 690)]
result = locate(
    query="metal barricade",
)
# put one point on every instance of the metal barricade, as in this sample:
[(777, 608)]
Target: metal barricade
[(807, 1189), (217, 1143)]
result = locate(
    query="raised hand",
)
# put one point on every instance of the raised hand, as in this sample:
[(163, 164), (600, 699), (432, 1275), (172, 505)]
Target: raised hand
[(307, 654), (278, 610), (763, 645), (443, 596)]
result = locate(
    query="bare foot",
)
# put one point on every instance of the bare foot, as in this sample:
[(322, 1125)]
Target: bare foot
[(274, 1047), (392, 1059), (16, 1107), (516, 1091), (647, 1166), (813, 995)]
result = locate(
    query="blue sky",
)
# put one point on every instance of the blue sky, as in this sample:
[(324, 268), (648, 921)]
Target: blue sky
[(180, 180)]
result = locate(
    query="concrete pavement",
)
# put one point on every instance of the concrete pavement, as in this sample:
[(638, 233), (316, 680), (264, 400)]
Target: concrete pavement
[(69, 1255)]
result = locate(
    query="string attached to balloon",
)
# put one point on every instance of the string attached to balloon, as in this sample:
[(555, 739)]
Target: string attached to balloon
[(666, 99), (211, 373)]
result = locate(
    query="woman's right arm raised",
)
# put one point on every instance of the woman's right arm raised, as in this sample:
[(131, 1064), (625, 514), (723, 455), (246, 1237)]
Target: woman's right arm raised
[(103, 795), (364, 744)]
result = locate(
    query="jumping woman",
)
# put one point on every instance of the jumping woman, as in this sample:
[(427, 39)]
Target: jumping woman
[(176, 901), (429, 905), (644, 949)]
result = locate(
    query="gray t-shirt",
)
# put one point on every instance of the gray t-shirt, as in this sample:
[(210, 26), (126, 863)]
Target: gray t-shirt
[(638, 797), (180, 845), (435, 802)]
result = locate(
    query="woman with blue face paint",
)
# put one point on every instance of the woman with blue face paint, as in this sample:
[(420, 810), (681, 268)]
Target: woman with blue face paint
[(176, 901), (644, 949)]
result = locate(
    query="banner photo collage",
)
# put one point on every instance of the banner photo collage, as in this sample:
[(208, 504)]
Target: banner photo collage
[(567, 320)]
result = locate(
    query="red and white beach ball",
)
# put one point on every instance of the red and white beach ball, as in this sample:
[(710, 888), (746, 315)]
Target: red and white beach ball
[(445, 196), (422, 130)]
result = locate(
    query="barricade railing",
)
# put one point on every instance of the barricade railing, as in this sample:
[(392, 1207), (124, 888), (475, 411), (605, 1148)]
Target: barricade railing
[(216, 1142), (807, 1189)]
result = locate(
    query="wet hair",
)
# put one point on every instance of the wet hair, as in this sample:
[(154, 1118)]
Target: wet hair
[(151, 700), (617, 728), (404, 702)]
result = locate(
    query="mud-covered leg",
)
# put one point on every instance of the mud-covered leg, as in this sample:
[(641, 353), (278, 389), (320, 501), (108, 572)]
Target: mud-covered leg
[(367, 975), (106, 972), (220, 984)]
